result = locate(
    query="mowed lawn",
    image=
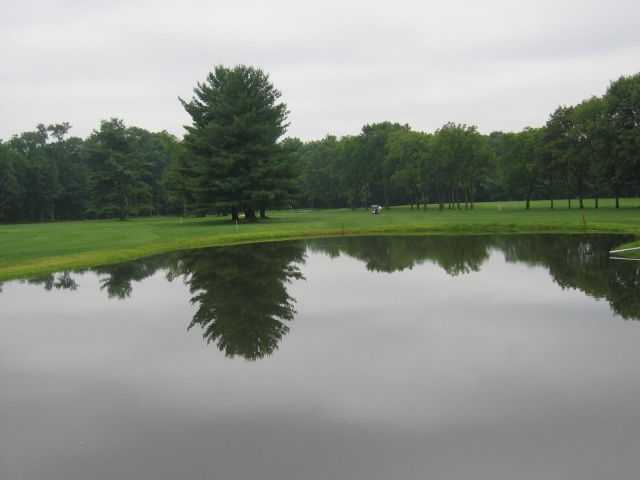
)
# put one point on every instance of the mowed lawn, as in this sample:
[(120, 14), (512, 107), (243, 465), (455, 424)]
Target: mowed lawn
[(30, 249)]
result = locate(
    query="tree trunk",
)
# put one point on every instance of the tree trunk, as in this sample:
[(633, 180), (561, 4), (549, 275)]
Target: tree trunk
[(263, 212), (596, 199), (580, 199), (124, 210), (366, 196), (249, 214), (234, 214)]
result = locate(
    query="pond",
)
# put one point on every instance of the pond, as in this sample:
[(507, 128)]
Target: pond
[(348, 358)]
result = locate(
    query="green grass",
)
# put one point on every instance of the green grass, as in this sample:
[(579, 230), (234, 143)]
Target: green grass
[(31, 249)]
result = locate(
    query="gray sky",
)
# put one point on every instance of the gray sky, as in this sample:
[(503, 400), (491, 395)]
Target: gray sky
[(498, 64)]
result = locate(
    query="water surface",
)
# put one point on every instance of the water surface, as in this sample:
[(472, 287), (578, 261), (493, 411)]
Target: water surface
[(360, 358)]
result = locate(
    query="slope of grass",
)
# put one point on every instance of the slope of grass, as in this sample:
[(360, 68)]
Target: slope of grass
[(31, 249)]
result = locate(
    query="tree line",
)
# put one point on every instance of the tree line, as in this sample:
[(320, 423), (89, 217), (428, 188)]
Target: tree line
[(234, 160), (588, 150), (117, 171)]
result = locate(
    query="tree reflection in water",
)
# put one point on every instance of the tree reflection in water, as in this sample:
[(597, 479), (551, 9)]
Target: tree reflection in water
[(241, 293), (456, 255), (117, 279), (59, 281), (582, 263), (578, 262)]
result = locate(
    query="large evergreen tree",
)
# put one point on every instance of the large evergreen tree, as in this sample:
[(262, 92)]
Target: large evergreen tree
[(238, 119), (623, 101)]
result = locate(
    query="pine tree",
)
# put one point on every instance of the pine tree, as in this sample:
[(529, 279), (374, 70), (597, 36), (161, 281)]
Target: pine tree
[(237, 121)]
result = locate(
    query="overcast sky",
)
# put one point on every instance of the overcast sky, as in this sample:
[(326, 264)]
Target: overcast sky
[(498, 64)]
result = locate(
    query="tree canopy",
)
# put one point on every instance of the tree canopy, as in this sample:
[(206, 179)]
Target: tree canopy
[(234, 159), (237, 164)]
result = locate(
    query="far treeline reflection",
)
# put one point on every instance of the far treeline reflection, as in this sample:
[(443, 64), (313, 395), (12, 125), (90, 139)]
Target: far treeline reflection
[(242, 302)]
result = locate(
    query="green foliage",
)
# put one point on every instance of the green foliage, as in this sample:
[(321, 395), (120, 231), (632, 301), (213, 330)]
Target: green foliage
[(117, 170), (320, 183), (178, 178), (233, 159), (586, 150), (409, 159), (375, 168), (237, 120), (623, 101), (10, 193), (520, 162), (38, 173), (461, 157)]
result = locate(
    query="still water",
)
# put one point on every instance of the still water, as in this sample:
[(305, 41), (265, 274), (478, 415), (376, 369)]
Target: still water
[(353, 358)]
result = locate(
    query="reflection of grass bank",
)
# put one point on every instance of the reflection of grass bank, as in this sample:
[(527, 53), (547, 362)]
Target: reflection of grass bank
[(40, 248), (627, 251)]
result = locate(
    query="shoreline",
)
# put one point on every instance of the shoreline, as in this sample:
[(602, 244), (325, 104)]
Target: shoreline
[(25, 268)]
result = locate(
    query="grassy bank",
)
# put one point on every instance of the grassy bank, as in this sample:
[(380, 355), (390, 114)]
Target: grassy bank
[(41, 248)]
